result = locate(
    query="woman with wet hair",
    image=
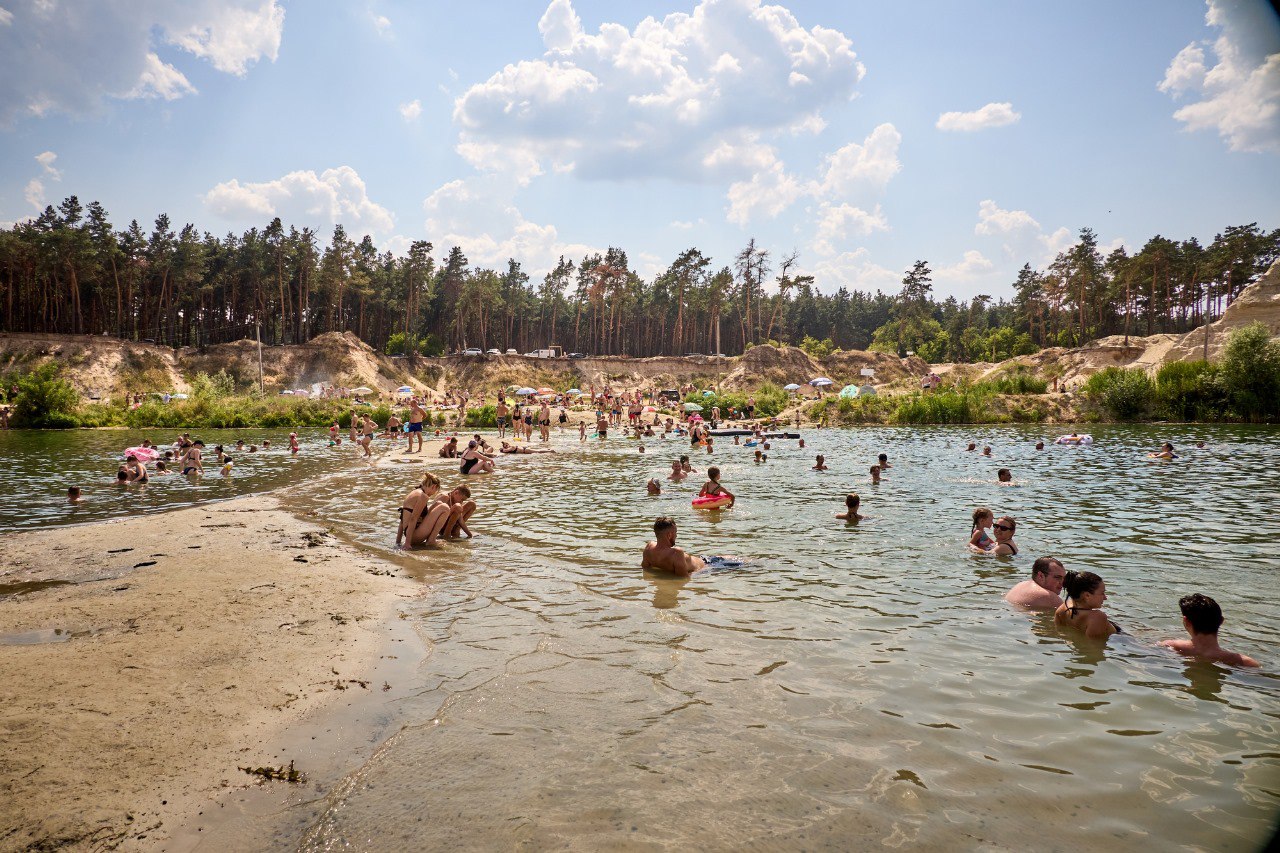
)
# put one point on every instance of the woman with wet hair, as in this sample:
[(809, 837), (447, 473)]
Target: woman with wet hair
[(1082, 607), (1004, 528)]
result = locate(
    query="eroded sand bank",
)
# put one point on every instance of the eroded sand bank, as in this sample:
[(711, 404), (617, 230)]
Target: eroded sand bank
[(129, 698)]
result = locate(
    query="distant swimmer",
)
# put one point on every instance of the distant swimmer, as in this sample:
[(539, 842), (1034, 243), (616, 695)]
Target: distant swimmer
[(820, 464), (73, 495), (1039, 445), (685, 466), (983, 518), (875, 475), (1005, 477), (973, 445), (1082, 608), (850, 514), (1044, 590), (883, 461), (653, 486), (1202, 617), (421, 516), (1004, 529), (713, 489), (663, 555), (986, 451), (1166, 452), (677, 472)]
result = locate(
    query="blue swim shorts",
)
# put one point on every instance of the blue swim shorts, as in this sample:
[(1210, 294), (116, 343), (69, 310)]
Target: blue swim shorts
[(415, 427)]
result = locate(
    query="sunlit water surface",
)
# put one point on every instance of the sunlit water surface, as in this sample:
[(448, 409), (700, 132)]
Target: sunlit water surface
[(853, 686)]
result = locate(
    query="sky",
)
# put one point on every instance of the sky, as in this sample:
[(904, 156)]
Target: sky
[(862, 136)]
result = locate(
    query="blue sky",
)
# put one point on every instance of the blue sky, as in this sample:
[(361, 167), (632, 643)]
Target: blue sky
[(976, 136)]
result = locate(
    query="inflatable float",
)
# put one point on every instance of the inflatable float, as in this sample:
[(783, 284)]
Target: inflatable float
[(711, 501), (782, 435), (730, 432), (1076, 440), (142, 454)]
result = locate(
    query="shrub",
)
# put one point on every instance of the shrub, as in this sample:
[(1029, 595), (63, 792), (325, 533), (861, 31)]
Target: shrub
[(1015, 382), (1251, 372), (215, 387), (942, 407), (1125, 394), (1190, 390), (818, 348), (482, 417), (45, 400)]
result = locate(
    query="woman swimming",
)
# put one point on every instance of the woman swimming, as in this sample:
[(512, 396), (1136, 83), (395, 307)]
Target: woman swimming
[(1085, 593), (1004, 529)]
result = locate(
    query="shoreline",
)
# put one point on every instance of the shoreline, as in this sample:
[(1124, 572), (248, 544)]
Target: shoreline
[(175, 655)]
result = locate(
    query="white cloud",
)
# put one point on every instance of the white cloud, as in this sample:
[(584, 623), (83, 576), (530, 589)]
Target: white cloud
[(991, 115), (971, 266), (659, 99), (1239, 96), (479, 217), (856, 271), (411, 110), (768, 193), (838, 221), (382, 24), (857, 168), (686, 226), (992, 221), (46, 160), (6, 17), (73, 60), (335, 196), (34, 193)]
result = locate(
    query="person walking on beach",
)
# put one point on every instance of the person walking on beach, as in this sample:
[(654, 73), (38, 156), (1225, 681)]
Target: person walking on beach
[(417, 415), (1044, 590), (500, 413)]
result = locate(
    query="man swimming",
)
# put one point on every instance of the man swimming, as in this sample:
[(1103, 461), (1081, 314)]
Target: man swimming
[(1044, 590), (663, 555), (1202, 617)]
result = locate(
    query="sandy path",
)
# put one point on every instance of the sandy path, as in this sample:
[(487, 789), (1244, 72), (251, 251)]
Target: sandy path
[(220, 627)]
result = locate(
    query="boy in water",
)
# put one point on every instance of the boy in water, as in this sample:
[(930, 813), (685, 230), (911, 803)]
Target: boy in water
[(821, 464), (1005, 477), (1202, 617), (73, 495), (712, 487), (883, 462), (875, 475)]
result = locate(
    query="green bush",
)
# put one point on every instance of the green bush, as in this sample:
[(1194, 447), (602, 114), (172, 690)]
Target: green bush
[(482, 417), (45, 400), (1190, 390), (818, 348), (215, 387), (1124, 394), (1251, 372), (942, 407)]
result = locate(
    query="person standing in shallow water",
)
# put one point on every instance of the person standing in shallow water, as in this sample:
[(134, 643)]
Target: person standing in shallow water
[(1202, 617), (1043, 590)]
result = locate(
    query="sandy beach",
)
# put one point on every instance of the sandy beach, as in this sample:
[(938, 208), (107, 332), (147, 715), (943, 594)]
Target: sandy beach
[(182, 644)]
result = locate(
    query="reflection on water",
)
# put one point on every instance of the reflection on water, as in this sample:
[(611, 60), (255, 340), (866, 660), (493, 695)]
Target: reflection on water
[(853, 686)]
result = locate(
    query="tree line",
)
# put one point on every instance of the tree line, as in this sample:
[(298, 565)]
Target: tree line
[(69, 270)]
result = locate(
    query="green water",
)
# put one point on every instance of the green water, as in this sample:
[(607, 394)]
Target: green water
[(851, 687)]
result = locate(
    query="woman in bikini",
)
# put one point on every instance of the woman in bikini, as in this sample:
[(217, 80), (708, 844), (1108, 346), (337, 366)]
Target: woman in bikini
[(1004, 529), (422, 515), (1085, 593), (475, 462)]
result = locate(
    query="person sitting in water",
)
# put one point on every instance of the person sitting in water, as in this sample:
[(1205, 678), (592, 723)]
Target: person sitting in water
[(161, 467), (1004, 476), (1004, 528), (851, 502), (821, 464), (986, 450), (760, 457), (461, 508), (685, 466), (640, 448), (883, 461), (73, 495), (712, 487), (450, 448), (677, 472), (482, 444), (978, 537), (973, 445), (1082, 608), (227, 465), (653, 486), (1039, 445), (1166, 452), (421, 515), (1044, 590), (122, 477), (663, 555), (1202, 617), (135, 469), (875, 475), (475, 462)]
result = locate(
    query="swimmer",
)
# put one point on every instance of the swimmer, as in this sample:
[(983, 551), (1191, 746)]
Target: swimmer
[(1166, 452), (253, 448), (712, 487), (653, 486), (1044, 590), (333, 436), (766, 446), (1039, 445), (820, 464), (1202, 617), (161, 467), (663, 555), (801, 444), (850, 514), (709, 441), (685, 466), (759, 456), (73, 495), (972, 446), (1082, 608), (641, 448), (191, 463), (582, 430), (227, 464), (978, 538), (875, 475), (266, 444), (1004, 529), (677, 472), (986, 451), (1004, 476), (1200, 445), (293, 443), (883, 461), (421, 515)]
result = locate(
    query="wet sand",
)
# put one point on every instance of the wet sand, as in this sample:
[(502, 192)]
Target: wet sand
[(184, 643)]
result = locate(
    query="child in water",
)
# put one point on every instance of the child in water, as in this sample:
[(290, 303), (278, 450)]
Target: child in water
[(73, 495), (712, 487), (293, 443), (979, 538), (875, 475), (851, 503), (226, 466), (821, 464)]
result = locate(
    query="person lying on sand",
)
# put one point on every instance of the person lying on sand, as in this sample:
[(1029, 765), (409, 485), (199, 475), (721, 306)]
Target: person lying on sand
[(507, 447)]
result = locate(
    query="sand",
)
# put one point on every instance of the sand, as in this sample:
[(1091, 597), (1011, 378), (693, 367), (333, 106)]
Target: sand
[(178, 659)]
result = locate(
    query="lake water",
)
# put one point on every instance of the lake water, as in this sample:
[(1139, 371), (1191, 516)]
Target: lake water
[(851, 686)]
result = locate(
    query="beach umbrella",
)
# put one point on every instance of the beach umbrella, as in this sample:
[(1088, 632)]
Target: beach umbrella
[(362, 390), (649, 410), (849, 391), (692, 407), (574, 392), (544, 391), (708, 393), (404, 389), (791, 387), (821, 382), (526, 391)]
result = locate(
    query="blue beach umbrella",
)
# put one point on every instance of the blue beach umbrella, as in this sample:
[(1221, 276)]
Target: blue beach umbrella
[(526, 391), (791, 387), (849, 391), (821, 382)]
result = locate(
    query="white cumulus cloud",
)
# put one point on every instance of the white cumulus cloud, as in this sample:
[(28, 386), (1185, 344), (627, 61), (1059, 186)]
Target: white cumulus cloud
[(46, 160), (991, 115), (768, 193), (381, 24), (6, 17), (1239, 95), (70, 57), (856, 271), (839, 221), (857, 168), (34, 193), (411, 110), (335, 196), (970, 266), (992, 221)]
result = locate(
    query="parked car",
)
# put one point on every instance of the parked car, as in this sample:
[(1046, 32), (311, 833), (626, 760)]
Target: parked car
[(693, 355), (472, 351), (577, 355), (512, 352), (493, 352)]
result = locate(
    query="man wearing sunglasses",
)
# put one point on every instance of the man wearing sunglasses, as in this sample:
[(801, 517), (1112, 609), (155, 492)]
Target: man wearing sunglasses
[(1044, 590)]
